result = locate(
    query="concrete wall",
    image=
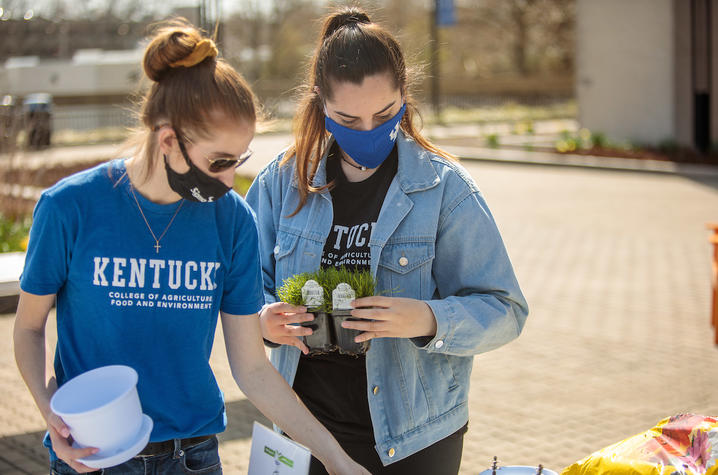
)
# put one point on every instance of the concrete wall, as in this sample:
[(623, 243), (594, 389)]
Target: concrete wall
[(625, 81), (89, 73), (682, 74), (714, 72)]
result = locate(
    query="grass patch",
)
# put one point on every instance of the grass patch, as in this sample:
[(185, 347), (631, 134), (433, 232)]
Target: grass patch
[(242, 183), (362, 282), (14, 233), (509, 112)]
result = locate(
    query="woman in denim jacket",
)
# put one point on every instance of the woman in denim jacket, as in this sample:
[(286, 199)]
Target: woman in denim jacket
[(361, 188)]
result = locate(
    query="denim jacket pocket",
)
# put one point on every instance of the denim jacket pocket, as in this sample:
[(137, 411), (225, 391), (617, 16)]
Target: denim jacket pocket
[(449, 373), (405, 269), (285, 245)]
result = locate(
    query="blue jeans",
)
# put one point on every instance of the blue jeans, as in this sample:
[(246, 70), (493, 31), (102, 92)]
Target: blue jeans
[(202, 458)]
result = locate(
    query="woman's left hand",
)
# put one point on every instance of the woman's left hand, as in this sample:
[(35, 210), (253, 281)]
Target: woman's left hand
[(392, 317)]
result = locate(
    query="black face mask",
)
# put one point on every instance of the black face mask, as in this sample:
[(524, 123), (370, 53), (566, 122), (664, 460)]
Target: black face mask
[(194, 185)]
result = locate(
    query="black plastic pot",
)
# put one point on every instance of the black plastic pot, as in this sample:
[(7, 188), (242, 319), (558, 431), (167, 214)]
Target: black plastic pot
[(344, 337), (320, 341)]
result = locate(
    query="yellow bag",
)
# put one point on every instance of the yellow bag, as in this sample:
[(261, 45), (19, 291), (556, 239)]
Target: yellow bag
[(683, 444)]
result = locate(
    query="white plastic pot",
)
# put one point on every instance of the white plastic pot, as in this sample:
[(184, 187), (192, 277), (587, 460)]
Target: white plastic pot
[(102, 408)]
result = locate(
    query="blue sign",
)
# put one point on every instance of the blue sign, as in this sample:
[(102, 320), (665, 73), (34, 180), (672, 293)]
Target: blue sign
[(445, 13)]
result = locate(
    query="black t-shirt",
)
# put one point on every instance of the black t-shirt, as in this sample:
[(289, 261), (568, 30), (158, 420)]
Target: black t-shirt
[(356, 209), (333, 386)]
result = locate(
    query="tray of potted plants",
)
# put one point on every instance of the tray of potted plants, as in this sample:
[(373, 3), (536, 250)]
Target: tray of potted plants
[(327, 294)]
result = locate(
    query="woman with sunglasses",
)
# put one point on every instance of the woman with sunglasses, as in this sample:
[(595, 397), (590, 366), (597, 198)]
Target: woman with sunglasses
[(142, 254), (362, 188)]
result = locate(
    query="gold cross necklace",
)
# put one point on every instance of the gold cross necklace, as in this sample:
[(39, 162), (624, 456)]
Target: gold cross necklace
[(157, 239)]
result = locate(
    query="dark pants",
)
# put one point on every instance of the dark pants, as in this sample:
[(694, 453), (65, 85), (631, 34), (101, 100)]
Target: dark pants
[(442, 458), (202, 458)]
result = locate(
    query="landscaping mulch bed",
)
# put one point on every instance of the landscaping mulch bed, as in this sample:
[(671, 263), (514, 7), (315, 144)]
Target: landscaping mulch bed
[(14, 206), (678, 156), (43, 177), (672, 154)]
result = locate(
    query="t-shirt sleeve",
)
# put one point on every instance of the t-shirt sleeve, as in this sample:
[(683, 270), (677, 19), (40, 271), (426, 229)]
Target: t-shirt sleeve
[(243, 291), (49, 249)]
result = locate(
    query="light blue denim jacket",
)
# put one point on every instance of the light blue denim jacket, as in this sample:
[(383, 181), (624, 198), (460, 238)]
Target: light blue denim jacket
[(435, 240)]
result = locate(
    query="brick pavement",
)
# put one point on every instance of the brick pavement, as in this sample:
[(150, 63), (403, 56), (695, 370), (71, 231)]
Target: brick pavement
[(615, 266)]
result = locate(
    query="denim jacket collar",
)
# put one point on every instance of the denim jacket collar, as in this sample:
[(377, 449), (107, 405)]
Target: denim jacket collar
[(415, 171)]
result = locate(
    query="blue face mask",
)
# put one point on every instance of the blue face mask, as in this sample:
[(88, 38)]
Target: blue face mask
[(369, 148)]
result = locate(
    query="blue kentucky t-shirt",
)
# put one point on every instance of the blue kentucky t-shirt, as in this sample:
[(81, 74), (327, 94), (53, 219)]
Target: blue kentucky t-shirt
[(121, 302)]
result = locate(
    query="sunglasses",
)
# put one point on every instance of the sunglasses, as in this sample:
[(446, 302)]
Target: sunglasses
[(221, 164), (216, 164)]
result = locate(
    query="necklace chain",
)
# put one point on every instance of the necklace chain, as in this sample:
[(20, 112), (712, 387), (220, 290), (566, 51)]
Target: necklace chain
[(358, 167), (157, 239)]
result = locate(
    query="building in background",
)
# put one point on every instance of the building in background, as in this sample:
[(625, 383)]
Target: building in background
[(498, 52), (647, 70), (90, 66), (92, 88)]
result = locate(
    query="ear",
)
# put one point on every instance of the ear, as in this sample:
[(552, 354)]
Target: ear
[(166, 139)]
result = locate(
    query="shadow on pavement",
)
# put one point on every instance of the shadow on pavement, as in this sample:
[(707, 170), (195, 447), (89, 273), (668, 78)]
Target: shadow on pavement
[(8, 304), (708, 181), (23, 453), (240, 416)]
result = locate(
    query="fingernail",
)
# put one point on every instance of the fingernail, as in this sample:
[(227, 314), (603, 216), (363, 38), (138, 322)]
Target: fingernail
[(94, 451), (65, 432)]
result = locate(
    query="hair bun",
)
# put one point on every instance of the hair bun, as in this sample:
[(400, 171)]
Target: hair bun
[(202, 50), (344, 17), (174, 45)]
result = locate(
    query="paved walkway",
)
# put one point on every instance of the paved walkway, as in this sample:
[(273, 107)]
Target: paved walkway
[(616, 268)]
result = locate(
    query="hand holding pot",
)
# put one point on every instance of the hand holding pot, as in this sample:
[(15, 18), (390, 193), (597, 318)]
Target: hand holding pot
[(392, 317), (60, 437), (276, 321)]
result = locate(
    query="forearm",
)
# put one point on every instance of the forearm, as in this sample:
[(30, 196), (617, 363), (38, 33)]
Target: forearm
[(266, 388), (29, 345), (271, 394), (31, 361)]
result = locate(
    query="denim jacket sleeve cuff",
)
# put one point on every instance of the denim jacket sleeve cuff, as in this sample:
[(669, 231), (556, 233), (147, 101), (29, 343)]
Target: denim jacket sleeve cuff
[(268, 298), (438, 343), (270, 344)]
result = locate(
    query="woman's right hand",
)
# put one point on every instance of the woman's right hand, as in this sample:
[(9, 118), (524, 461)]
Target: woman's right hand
[(276, 319), (60, 437)]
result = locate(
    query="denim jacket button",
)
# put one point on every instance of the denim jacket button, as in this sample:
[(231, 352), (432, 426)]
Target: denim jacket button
[(403, 261), (391, 452), (276, 249), (439, 343), (375, 390)]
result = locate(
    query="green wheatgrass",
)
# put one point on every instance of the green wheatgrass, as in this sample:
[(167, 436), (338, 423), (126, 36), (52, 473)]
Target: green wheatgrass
[(362, 282)]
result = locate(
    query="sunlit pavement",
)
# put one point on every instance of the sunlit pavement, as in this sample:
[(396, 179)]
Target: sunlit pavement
[(616, 268)]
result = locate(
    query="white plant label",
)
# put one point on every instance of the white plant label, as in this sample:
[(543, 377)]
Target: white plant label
[(342, 297), (312, 294)]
